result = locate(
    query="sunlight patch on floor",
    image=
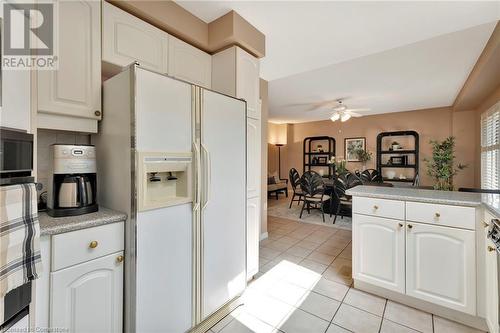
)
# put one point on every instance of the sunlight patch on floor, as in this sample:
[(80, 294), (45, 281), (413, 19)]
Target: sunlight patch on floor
[(273, 296)]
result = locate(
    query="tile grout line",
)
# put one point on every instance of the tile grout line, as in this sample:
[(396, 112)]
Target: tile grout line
[(383, 314)]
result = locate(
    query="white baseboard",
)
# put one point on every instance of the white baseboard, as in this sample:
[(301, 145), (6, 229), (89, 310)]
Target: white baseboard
[(263, 235)]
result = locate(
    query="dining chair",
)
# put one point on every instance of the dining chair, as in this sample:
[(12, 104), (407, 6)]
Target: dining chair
[(339, 188), (370, 175), (313, 188), (294, 178)]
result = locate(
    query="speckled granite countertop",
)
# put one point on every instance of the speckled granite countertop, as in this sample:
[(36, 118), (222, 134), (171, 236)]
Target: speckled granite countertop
[(58, 225), (490, 201)]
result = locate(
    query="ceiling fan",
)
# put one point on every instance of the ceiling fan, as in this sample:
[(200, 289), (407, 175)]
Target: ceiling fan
[(342, 112)]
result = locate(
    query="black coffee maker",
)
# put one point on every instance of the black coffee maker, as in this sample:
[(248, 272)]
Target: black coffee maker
[(72, 187)]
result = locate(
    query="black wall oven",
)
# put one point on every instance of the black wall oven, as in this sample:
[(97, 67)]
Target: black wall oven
[(16, 164)]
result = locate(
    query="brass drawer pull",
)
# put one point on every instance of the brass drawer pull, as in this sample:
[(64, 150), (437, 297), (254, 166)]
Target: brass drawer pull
[(410, 226), (491, 248), (119, 258), (93, 244), (375, 207), (437, 215), (400, 225)]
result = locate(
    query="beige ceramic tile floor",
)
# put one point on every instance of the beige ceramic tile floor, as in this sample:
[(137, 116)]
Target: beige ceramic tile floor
[(305, 286)]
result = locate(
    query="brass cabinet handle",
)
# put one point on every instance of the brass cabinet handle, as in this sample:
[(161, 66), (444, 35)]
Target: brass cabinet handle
[(97, 113), (119, 258), (93, 244), (437, 215), (400, 225), (485, 225), (491, 248), (375, 207), (410, 226)]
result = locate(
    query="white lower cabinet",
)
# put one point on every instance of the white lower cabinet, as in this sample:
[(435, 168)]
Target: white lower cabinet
[(81, 285), (88, 297), (441, 266), (430, 260), (253, 234), (379, 251)]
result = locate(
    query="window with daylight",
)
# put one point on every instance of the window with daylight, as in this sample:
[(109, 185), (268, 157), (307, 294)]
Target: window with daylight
[(490, 148)]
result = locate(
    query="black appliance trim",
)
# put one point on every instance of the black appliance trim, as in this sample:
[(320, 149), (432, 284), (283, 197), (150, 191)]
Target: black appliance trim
[(72, 211), (16, 302)]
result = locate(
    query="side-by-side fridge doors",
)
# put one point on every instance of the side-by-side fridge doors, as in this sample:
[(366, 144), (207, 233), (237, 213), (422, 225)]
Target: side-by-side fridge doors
[(223, 199), (164, 273)]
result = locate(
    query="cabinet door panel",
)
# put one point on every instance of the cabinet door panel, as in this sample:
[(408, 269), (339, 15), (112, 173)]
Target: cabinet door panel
[(378, 245), (75, 88), (253, 157), (126, 39), (253, 234), (247, 81), (88, 297), (491, 264), (188, 63), (440, 266)]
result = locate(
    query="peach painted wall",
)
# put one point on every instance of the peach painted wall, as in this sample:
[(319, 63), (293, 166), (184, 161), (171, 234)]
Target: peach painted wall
[(435, 124)]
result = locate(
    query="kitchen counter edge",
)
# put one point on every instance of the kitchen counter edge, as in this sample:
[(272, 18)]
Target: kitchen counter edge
[(58, 225), (455, 198)]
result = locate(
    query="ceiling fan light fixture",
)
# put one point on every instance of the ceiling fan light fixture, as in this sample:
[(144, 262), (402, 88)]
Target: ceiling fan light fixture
[(345, 117), (335, 117)]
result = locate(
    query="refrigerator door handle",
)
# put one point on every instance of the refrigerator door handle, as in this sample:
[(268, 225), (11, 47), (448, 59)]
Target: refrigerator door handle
[(196, 203), (207, 180)]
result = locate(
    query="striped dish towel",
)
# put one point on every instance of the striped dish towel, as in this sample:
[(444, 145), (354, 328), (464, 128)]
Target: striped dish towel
[(20, 259)]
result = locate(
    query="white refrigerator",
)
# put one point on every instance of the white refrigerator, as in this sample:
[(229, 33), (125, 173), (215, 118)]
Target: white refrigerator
[(173, 156)]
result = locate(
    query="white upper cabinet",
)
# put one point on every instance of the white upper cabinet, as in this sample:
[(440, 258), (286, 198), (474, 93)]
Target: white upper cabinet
[(188, 63), (126, 39), (74, 89), (236, 72), (379, 251), (15, 106), (441, 266), (247, 81)]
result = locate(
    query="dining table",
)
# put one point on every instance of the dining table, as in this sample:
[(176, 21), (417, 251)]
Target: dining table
[(331, 205)]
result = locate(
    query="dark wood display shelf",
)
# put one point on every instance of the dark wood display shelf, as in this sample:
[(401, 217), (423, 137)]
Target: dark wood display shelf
[(398, 151), (317, 153), (408, 166), (309, 155), (415, 152), (407, 180)]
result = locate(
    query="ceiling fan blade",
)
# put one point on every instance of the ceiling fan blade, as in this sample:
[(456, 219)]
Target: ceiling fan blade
[(354, 114), (358, 109)]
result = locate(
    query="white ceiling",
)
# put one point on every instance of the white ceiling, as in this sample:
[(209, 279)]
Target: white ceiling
[(387, 56)]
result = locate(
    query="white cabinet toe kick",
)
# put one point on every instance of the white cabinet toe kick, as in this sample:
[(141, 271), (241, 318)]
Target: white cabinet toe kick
[(425, 255)]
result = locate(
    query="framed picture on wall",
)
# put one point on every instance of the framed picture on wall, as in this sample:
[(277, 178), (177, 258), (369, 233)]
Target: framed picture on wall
[(350, 147)]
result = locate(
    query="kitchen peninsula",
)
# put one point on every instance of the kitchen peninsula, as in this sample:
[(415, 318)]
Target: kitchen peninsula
[(426, 249)]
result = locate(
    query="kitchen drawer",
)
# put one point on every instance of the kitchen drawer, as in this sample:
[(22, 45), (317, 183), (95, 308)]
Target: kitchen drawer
[(393, 209), (446, 215), (75, 247)]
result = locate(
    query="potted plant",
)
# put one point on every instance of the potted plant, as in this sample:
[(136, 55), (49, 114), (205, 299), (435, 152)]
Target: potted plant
[(441, 167), (395, 145), (363, 156), (340, 167)]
